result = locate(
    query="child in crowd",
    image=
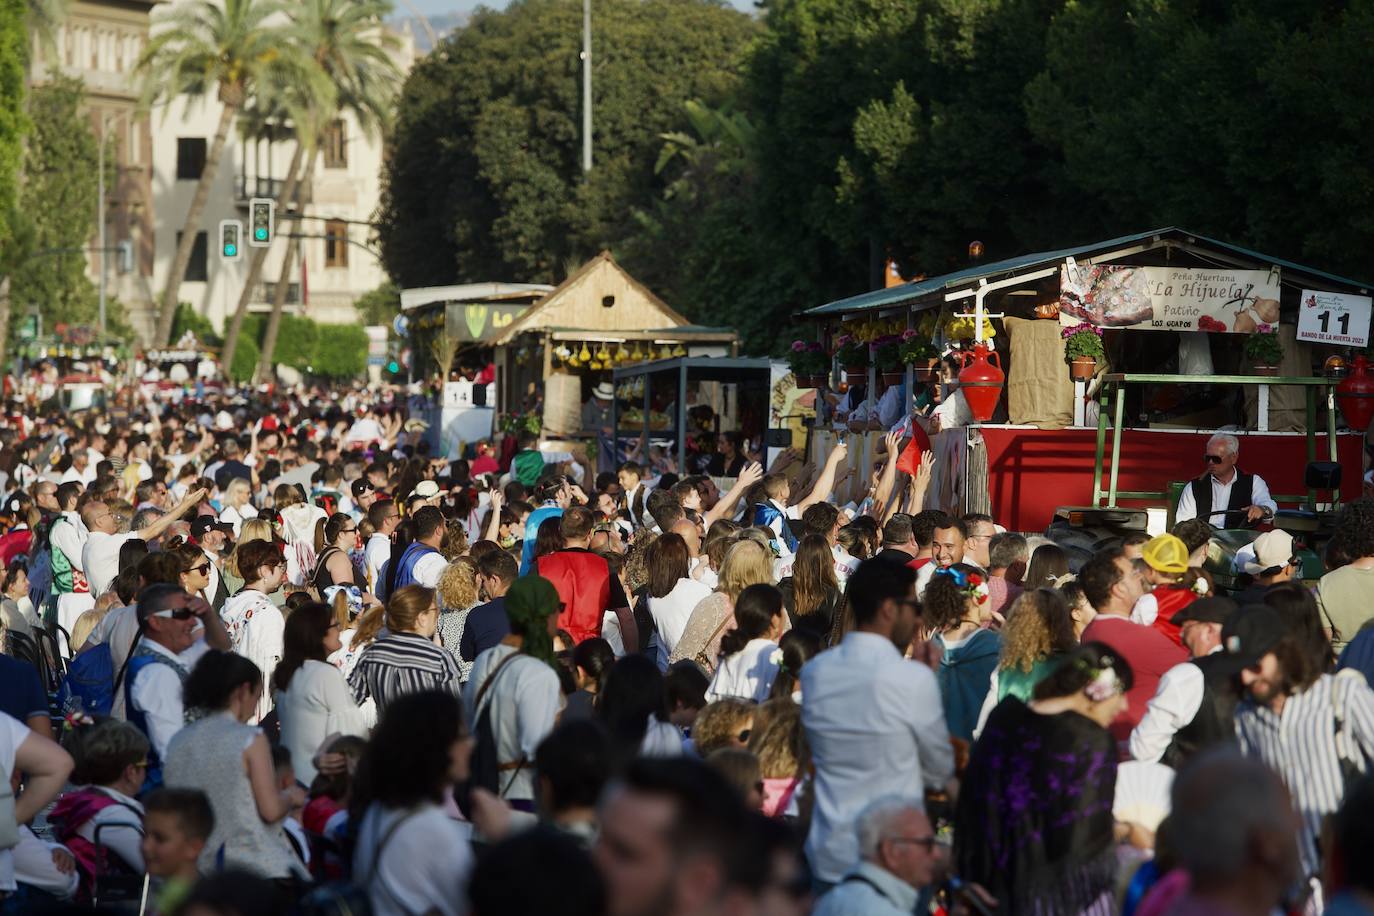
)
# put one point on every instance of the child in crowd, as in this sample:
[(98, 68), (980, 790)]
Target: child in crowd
[(286, 778), (685, 684), (325, 816), (176, 826)]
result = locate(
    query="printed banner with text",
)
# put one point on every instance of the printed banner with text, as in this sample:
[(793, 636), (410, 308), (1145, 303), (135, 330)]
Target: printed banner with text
[(1169, 298)]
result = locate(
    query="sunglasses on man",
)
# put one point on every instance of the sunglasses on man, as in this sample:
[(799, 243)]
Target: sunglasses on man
[(1213, 459), (179, 613)]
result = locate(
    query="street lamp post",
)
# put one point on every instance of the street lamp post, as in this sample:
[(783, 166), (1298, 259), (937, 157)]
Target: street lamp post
[(586, 85)]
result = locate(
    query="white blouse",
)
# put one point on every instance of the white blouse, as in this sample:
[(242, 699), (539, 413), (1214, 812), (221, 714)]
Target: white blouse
[(748, 674), (671, 613), (316, 705)]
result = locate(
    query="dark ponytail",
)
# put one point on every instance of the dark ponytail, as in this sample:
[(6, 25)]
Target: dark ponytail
[(755, 609), (215, 678)]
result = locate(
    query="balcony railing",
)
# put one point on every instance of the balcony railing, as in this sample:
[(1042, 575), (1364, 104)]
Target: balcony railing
[(246, 187)]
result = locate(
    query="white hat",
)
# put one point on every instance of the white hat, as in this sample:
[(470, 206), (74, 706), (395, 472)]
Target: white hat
[(425, 489), (604, 390), (1273, 550)]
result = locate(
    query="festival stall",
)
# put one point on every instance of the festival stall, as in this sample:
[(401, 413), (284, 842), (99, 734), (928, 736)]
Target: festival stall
[(450, 336), (1161, 337), (677, 407), (551, 358)]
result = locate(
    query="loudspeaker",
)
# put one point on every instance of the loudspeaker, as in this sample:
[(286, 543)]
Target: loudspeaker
[(1323, 475)]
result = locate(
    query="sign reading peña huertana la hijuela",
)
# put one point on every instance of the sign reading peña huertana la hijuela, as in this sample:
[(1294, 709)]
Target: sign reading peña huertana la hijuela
[(1169, 298)]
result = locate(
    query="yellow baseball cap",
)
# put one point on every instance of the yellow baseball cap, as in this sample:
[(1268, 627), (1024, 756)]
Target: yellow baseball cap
[(1166, 554)]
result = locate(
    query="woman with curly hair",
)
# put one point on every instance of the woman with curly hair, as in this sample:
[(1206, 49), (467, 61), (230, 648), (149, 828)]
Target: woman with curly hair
[(957, 609), (784, 759), (1038, 631), (746, 564), (727, 722), (457, 596)]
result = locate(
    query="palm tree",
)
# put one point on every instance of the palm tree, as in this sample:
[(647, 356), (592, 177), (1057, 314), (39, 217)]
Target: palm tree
[(224, 46), (346, 40)]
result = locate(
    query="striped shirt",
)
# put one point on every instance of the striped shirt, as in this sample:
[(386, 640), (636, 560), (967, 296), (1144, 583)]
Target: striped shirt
[(1305, 746), (399, 664)]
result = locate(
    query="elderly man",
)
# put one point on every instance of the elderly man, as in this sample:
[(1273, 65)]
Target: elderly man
[(108, 529), (1224, 493), (1233, 831), (898, 857)]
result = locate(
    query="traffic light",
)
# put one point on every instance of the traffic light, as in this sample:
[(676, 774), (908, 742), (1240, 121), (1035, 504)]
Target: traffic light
[(262, 212), (230, 239)]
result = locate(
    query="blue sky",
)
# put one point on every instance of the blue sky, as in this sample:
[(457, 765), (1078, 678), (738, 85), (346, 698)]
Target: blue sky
[(437, 7)]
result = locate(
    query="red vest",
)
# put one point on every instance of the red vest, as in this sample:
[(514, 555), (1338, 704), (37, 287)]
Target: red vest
[(583, 581), (1171, 600)]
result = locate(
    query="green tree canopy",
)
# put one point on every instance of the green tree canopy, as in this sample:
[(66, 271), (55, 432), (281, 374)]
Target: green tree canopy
[(57, 212), (484, 180)]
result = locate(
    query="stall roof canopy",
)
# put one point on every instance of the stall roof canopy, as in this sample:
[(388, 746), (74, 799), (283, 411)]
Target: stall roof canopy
[(471, 292), (599, 297), (931, 287)]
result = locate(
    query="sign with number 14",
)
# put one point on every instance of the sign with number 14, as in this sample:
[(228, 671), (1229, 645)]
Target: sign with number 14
[(1334, 318)]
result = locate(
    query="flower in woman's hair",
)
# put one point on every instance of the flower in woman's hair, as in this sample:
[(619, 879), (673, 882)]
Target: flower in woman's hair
[(1104, 686), (76, 719), (1200, 587), (798, 346), (975, 580)]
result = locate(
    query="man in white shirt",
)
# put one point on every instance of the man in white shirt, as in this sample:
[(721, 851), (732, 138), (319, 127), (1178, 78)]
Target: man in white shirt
[(873, 719), (1224, 495), (171, 641), (898, 857), (1175, 725), (67, 537), (81, 470), (107, 533), (384, 516)]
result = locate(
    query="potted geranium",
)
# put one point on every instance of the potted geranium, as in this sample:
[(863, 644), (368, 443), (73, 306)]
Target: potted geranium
[(920, 354), (1264, 351), (887, 356), (852, 355), (809, 363), (1082, 350)]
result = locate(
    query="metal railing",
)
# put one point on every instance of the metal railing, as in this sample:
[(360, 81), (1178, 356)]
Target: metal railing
[(1112, 402), (246, 187)]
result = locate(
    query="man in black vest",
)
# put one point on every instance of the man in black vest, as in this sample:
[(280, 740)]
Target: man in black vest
[(1225, 496), (1193, 707)]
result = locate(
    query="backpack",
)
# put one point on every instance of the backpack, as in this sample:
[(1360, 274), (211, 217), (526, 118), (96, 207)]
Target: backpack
[(484, 768), (89, 684)]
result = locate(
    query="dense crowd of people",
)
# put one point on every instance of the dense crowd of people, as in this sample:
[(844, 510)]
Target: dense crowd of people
[(274, 654)]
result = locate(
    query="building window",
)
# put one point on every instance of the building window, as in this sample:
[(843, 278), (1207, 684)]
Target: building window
[(195, 268), (335, 146), (190, 158), (293, 292), (335, 243)]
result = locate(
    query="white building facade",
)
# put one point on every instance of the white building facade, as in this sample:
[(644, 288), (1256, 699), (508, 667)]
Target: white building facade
[(160, 159)]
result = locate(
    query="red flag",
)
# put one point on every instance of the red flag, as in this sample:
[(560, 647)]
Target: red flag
[(910, 458)]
